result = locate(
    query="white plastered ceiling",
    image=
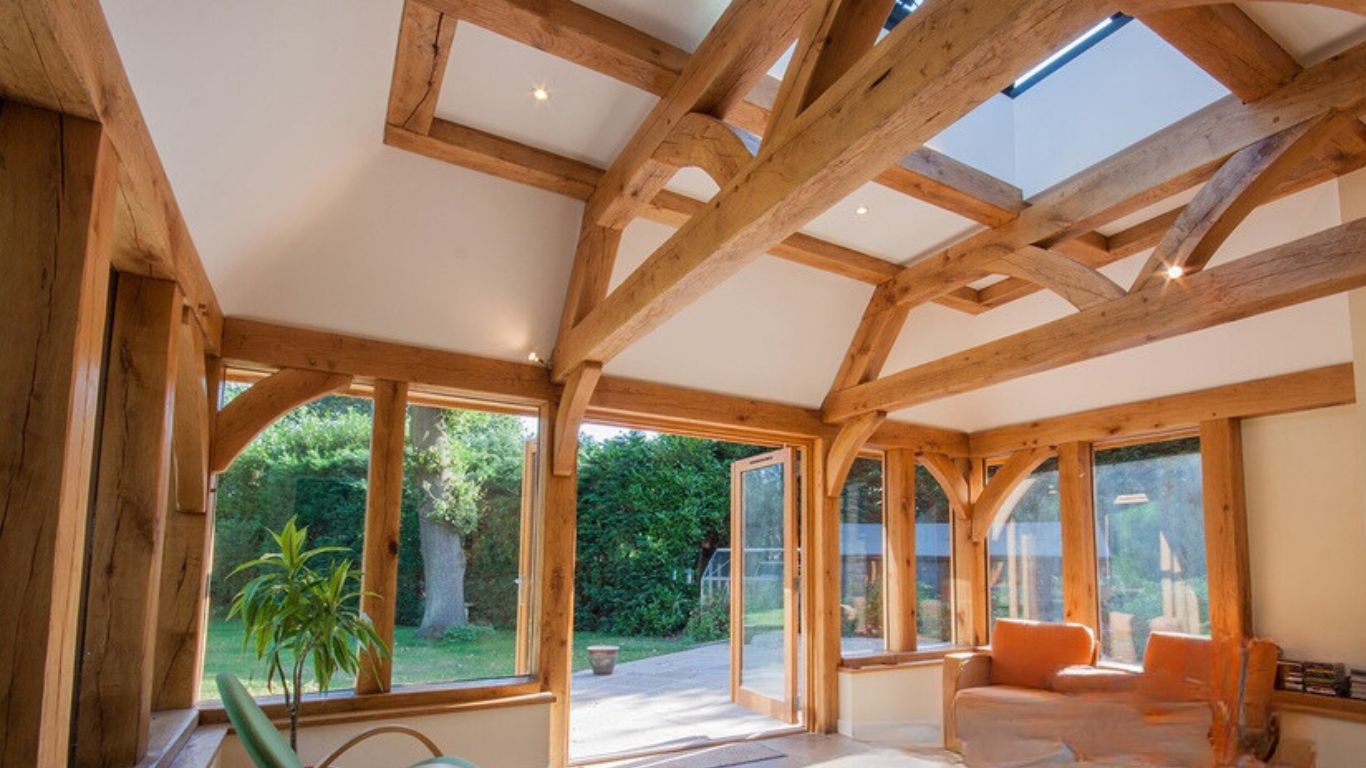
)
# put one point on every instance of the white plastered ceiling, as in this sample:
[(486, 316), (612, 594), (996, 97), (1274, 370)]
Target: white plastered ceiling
[(269, 119)]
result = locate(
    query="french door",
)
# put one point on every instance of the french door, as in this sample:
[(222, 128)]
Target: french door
[(763, 584)]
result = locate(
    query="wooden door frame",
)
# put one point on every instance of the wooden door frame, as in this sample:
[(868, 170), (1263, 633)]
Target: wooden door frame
[(779, 710)]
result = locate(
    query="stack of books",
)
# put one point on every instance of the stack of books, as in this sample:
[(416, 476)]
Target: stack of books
[(1324, 678)]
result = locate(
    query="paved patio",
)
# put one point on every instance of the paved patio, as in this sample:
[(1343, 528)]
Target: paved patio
[(677, 698)]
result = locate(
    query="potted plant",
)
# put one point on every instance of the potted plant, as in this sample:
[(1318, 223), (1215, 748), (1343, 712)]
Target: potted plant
[(302, 610)]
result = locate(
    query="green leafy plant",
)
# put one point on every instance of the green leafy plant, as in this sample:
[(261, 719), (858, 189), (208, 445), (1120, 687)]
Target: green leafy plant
[(296, 614)]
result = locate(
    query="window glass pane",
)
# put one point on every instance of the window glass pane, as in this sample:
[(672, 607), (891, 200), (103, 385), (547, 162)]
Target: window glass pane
[(311, 465), (933, 562), (861, 536), (1150, 545), (1024, 550), (461, 546)]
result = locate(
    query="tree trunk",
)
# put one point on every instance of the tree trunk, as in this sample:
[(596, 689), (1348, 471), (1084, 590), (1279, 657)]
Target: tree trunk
[(443, 549)]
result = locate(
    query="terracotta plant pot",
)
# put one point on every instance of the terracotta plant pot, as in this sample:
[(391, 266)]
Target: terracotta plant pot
[(603, 658)]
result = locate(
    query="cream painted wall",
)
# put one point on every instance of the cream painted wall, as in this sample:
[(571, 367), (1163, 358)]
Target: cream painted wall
[(1306, 505), (508, 737), (899, 705)]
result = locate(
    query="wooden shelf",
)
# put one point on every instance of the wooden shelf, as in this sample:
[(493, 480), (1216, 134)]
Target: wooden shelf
[(1324, 706)]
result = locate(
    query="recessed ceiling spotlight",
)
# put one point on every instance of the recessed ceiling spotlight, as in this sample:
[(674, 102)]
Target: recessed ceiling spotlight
[(540, 93), (1175, 271), (532, 357), (862, 210)]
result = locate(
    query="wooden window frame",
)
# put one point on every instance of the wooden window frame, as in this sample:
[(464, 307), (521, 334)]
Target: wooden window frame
[(434, 696)]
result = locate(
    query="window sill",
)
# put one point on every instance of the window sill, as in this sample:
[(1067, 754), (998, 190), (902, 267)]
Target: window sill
[(404, 701), (897, 659)]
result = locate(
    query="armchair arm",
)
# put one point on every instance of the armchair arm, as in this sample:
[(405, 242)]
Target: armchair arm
[(370, 733), (961, 670)]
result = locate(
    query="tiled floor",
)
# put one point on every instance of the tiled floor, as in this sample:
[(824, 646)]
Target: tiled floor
[(807, 749)]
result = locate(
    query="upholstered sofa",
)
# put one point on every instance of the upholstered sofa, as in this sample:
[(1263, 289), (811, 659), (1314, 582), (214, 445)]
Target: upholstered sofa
[(1036, 695)]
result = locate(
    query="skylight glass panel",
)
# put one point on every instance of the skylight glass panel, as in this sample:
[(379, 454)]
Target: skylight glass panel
[(903, 8)]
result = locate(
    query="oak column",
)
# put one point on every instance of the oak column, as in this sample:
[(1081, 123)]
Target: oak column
[(559, 533), (383, 504), (1077, 504), (899, 597), (57, 184), (128, 524)]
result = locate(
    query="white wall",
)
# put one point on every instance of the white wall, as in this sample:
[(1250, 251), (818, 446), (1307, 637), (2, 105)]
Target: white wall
[(898, 705), (507, 737)]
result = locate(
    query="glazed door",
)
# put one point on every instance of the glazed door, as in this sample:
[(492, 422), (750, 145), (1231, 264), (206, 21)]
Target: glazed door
[(763, 584)]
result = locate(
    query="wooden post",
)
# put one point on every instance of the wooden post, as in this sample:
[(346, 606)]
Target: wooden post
[(128, 525), (526, 558), (383, 504), (899, 598), (1076, 499), (970, 561), (187, 553), (57, 182), (824, 563), (1230, 592), (556, 626)]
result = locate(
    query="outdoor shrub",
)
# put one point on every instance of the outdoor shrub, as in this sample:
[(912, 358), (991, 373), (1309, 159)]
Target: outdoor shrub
[(710, 621), (469, 633)]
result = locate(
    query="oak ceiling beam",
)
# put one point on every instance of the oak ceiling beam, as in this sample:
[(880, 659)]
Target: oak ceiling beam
[(1312, 267), (1225, 42), (60, 55), (1315, 388), (1242, 183), (425, 35), (484, 152), (730, 60), (835, 34), (1338, 156), (605, 45), (933, 68), (1175, 159)]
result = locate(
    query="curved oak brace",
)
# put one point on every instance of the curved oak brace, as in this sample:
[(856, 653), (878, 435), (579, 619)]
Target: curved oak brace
[(267, 400), (707, 143), (1243, 182), (578, 391), (1080, 285), (845, 447), (952, 480), (998, 488)]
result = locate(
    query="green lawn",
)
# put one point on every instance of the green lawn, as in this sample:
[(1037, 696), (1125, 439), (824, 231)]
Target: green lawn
[(480, 654)]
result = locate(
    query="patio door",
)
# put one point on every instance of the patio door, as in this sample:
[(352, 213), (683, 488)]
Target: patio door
[(763, 584)]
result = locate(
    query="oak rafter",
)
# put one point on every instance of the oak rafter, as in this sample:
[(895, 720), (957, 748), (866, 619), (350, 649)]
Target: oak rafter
[(863, 123), (1312, 267)]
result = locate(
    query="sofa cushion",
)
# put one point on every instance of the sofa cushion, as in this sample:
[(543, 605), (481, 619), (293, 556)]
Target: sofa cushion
[(1177, 667), (1029, 653), (1088, 679)]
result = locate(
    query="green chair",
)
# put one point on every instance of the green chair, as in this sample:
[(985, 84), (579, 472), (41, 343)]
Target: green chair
[(268, 749)]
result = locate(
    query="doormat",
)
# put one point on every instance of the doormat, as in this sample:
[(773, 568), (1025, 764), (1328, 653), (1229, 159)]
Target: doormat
[(715, 757)]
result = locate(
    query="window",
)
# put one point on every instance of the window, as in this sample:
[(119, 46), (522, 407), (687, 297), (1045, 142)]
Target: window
[(467, 499), (312, 465), (933, 563), (1150, 544), (1024, 550), (861, 546)]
